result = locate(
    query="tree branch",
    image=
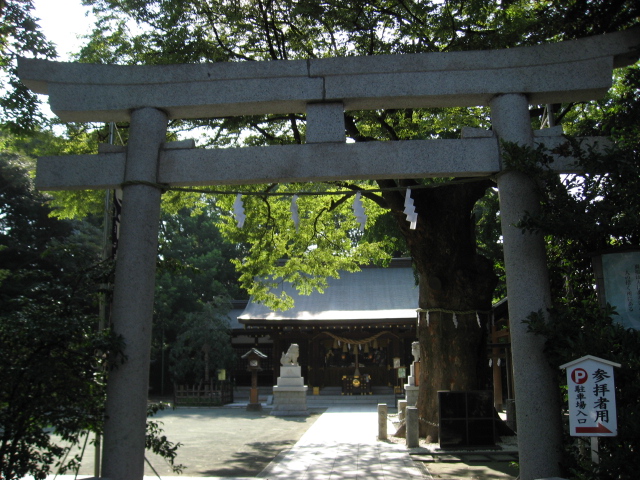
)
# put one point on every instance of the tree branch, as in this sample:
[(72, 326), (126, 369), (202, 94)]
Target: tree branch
[(295, 129), (377, 199), (386, 127), (353, 132), (210, 20)]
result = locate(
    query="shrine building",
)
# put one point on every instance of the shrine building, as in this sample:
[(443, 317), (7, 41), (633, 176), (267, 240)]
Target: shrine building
[(364, 320)]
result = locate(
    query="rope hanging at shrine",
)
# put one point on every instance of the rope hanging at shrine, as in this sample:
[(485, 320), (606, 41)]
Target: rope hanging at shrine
[(350, 341), (207, 191), (455, 314), (358, 208)]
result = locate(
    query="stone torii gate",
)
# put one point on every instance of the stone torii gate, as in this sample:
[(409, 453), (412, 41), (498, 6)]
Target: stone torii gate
[(507, 81)]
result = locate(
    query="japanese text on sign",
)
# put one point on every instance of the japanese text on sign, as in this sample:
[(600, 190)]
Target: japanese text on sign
[(592, 402)]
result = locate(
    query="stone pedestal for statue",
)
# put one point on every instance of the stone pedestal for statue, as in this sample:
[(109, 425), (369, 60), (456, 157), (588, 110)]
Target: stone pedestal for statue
[(414, 373), (411, 394), (290, 394), (411, 388)]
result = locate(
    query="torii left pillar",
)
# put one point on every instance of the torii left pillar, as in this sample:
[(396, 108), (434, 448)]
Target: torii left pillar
[(132, 310)]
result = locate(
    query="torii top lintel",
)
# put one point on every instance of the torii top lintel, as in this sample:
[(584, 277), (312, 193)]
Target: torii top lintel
[(576, 70)]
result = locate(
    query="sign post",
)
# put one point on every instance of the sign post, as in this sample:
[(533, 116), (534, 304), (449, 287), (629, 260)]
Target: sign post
[(592, 399)]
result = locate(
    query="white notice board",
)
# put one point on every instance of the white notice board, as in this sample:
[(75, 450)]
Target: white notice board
[(592, 397)]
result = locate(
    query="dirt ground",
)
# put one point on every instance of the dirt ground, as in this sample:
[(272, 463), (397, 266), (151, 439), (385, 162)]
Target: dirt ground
[(221, 442)]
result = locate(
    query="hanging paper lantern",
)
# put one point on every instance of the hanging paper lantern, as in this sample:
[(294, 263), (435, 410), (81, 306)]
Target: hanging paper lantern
[(238, 211), (410, 210), (358, 211)]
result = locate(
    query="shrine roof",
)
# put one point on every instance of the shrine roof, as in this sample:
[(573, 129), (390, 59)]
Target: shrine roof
[(237, 309), (372, 295)]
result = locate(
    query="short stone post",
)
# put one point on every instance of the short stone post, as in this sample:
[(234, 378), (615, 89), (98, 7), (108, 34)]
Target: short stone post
[(537, 400), (382, 421), (402, 409), (133, 292), (413, 428)]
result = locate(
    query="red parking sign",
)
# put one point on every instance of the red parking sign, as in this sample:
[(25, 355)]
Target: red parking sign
[(579, 376)]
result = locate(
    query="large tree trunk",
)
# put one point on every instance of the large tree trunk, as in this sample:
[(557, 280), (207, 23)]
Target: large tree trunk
[(454, 358), (453, 278)]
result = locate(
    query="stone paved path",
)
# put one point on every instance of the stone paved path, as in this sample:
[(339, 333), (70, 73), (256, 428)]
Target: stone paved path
[(342, 444)]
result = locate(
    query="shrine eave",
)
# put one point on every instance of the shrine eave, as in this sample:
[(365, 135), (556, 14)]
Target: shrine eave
[(327, 324)]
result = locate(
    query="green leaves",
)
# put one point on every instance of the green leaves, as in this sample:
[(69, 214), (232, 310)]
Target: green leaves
[(51, 361), (581, 215), (158, 443), (202, 346), (19, 36), (598, 209), (327, 239), (194, 281), (578, 328)]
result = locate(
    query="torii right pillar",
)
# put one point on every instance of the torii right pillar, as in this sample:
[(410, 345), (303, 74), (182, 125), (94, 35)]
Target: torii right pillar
[(537, 396)]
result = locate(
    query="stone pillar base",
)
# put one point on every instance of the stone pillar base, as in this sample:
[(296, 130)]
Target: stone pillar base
[(411, 395), (290, 401), (254, 407)]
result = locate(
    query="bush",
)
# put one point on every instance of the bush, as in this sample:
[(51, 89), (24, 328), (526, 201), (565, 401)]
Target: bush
[(579, 329)]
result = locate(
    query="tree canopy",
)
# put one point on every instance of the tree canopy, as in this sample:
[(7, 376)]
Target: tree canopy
[(216, 31), (19, 36), (51, 376), (195, 283), (52, 354)]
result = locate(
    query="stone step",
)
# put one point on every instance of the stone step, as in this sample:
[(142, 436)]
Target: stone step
[(331, 391), (335, 391), (329, 396), (377, 390), (332, 400)]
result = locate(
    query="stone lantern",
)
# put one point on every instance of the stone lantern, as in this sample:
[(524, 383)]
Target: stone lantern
[(253, 357)]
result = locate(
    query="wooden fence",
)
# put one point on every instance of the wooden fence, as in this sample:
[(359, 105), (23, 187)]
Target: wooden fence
[(204, 394)]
